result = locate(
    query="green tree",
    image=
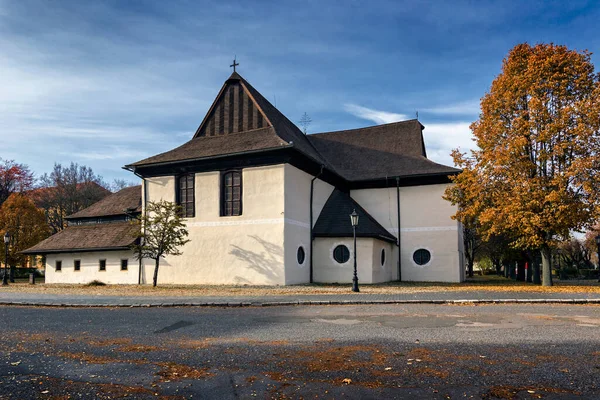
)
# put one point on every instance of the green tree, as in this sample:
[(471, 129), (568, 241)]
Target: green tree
[(161, 232), (536, 175)]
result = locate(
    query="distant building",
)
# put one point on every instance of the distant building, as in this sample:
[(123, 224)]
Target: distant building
[(266, 204)]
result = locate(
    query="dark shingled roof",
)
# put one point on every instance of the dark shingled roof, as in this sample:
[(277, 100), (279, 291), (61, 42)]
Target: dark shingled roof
[(375, 152), (334, 220), (97, 237), (210, 146), (114, 204), (364, 154), (281, 132)]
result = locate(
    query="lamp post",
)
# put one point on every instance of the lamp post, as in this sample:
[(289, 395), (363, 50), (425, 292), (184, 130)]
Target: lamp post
[(354, 221), (6, 242), (598, 249)]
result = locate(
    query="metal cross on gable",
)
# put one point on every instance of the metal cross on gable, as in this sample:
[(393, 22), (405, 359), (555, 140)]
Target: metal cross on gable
[(234, 64)]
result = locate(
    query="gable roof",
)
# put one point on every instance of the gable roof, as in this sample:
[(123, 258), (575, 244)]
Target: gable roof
[(240, 120), (129, 198), (375, 152), (97, 237), (334, 220)]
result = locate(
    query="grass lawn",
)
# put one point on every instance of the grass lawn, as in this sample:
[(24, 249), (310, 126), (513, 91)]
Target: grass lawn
[(479, 283)]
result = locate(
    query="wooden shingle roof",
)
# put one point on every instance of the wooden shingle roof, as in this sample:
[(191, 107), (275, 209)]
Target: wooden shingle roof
[(97, 237), (375, 152), (334, 220), (117, 203), (242, 121)]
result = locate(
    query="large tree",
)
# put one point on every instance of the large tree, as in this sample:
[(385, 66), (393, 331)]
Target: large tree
[(161, 232), (67, 190), (26, 225), (536, 174), (14, 178)]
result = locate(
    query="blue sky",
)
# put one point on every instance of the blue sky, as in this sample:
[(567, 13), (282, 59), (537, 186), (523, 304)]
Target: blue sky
[(106, 83)]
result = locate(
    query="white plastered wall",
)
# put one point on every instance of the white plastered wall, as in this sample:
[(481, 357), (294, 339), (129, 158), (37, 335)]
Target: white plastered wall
[(90, 267), (425, 223), (245, 249), (297, 220), (368, 261)]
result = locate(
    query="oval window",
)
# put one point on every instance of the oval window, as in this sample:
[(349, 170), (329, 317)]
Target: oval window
[(421, 256), (300, 255), (382, 257), (341, 254)]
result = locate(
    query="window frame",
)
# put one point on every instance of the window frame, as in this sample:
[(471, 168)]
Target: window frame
[(126, 260), (224, 206), (58, 265), (100, 262), (300, 251), (76, 265), (346, 250), (178, 189), (424, 251)]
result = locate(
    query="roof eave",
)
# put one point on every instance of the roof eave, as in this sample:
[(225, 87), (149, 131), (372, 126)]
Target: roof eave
[(134, 167), (390, 239), (74, 250)]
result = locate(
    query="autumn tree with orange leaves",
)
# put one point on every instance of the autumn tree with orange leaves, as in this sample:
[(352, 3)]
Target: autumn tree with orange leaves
[(25, 223), (536, 174)]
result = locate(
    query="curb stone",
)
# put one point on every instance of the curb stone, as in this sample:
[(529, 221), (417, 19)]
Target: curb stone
[(300, 302)]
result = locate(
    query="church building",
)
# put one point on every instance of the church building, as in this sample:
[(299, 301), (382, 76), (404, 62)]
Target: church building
[(266, 204)]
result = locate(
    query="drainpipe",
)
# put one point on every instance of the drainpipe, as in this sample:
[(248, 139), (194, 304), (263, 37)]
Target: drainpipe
[(140, 263), (398, 236), (312, 190)]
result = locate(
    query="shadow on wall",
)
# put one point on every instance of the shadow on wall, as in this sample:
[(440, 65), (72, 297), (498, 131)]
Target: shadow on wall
[(267, 262)]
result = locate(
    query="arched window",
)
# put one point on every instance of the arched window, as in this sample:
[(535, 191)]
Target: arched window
[(231, 193), (382, 257), (185, 195), (341, 254)]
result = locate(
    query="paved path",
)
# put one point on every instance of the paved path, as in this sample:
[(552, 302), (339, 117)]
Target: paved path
[(350, 298), (410, 351)]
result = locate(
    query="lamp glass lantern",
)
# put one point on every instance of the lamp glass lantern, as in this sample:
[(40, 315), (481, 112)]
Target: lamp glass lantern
[(354, 218), (6, 238)]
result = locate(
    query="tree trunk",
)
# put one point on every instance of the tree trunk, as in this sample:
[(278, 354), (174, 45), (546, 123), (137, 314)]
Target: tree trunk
[(537, 279), (155, 278), (11, 274), (469, 267), (546, 266)]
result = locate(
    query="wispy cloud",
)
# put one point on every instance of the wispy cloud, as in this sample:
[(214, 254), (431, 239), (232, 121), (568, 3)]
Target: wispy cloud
[(377, 116), (462, 108)]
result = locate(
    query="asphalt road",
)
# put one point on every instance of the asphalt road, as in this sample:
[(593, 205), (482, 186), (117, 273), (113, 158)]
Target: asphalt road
[(362, 352)]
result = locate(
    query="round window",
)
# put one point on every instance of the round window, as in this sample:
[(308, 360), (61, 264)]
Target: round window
[(382, 257), (421, 256), (341, 254), (300, 255)]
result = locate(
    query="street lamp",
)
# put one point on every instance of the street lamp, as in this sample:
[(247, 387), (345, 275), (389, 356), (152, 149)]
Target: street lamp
[(598, 248), (354, 221), (6, 242)]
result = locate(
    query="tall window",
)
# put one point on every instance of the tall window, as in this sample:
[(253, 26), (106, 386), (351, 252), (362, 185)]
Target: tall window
[(231, 193), (185, 195)]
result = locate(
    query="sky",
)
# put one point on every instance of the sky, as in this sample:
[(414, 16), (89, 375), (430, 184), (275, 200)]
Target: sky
[(108, 83)]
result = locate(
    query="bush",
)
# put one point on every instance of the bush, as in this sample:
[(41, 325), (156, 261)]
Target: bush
[(589, 273), (96, 282)]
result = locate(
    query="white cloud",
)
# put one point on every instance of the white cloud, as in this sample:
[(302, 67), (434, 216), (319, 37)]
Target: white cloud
[(377, 116), (442, 138), (463, 108)]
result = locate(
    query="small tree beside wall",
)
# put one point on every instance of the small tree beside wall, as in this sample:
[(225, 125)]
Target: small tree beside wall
[(161, 232)]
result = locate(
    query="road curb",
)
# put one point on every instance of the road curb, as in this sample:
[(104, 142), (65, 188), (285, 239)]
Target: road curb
[(298, 302)]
